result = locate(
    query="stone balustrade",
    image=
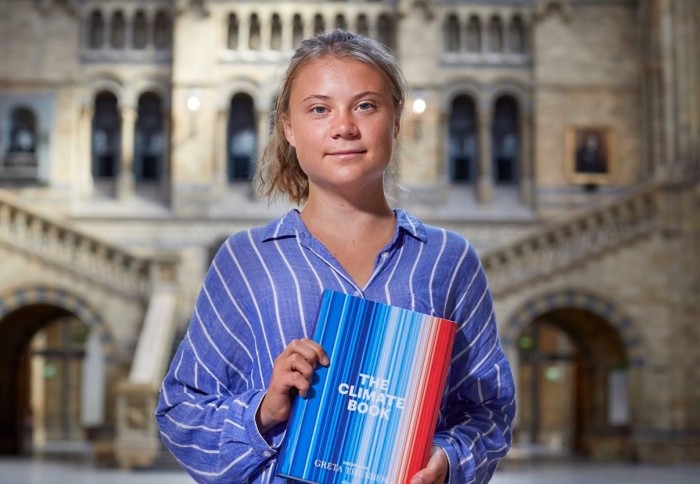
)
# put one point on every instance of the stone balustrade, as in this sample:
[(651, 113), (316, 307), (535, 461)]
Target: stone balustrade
[(56, 243), (561, 245)]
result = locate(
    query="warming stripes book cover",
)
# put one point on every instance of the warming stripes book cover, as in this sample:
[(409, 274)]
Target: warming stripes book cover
[(370, 415)]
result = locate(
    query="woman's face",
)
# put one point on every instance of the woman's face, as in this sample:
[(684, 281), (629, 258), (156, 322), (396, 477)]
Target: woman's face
[(342, 121)]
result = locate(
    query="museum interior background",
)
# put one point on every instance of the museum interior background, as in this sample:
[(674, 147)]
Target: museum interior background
[(561, 137)]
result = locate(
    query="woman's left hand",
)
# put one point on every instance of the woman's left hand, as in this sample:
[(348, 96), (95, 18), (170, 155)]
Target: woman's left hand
[(436, 470)]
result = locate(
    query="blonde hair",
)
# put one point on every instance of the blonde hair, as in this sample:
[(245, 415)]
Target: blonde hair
[(280, 172)]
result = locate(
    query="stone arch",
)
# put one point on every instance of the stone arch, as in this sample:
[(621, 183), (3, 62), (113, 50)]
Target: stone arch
[(17, 298), (24, 311), (240, 85), (508, 87), (578, 298), (101, 84), (162, 91), (468, 87), (568, 348)]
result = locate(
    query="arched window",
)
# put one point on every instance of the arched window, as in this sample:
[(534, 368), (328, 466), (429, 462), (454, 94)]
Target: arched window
[(319, 24), (362, 25), (233, 29), (297, 30), (96, 30), (385, 30), (505, 140), (340, 22), (474, 34), (452, 37), (140, 30), (149, 139), (242, 138), (462, 142), (495, 43), (23, 132), (21, 160), (106, 136), (276, 34), (254, 33), (118, 31), (516, 35), (162, 31)]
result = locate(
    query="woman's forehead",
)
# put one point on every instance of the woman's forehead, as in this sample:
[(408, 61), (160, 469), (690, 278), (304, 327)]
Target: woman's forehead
[(333, 69)]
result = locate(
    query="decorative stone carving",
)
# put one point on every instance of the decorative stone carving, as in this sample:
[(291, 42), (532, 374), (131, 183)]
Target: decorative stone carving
[(545, 8)]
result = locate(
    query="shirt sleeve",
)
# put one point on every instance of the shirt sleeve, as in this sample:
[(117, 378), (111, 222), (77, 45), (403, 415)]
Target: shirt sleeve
[(207, 403), (475, 422)]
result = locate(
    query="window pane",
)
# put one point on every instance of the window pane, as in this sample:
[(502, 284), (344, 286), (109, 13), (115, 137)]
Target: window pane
[(149, 139), (462, 143), (106, 136), (242, 138), (505, 140)]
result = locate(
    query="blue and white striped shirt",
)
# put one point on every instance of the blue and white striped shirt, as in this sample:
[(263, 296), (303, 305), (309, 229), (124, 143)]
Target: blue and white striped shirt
[(263, 290)]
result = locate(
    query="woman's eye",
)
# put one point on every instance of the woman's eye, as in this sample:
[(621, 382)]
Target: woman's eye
[(365, 106), (318, 110)]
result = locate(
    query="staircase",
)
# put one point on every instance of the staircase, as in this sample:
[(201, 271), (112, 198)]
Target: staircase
[(57, 243), (560, 246)]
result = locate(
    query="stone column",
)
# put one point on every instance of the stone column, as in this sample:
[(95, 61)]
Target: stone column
[(527, 168), (682, 76), (244, 32), (220, 154), (84, 152), (287, 33), (484, 183), (166, 178), (125, 181), (693, 21), (668, 68), (265, 32)]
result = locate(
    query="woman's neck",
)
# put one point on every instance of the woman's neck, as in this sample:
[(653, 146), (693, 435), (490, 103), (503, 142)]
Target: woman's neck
[(336, 212)]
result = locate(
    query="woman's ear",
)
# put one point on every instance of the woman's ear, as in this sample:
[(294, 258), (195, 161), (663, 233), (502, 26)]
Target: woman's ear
[(288, 131), (397, 124)]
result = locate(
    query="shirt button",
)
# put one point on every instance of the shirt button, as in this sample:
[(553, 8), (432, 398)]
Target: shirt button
[(267, 453), (385, 255), (357, 293)]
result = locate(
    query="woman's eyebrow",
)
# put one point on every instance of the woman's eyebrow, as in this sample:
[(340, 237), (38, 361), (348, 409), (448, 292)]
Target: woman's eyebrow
[(319, 97)]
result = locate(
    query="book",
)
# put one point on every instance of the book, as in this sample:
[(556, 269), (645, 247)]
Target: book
[(370, 416)]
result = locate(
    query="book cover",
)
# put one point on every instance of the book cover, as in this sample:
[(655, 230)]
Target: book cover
[(369, 417)]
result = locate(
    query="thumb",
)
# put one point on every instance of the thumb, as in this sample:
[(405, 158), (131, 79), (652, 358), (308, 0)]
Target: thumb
[(418, 479)]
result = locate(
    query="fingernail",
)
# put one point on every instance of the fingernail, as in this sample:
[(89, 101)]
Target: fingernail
[(325, 361)]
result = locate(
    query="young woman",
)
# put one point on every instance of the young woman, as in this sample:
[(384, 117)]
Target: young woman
[(226, 399)]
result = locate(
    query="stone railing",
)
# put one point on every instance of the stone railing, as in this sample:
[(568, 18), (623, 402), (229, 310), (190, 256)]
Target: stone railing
[(561, 245), (58, 244), (138, 440)]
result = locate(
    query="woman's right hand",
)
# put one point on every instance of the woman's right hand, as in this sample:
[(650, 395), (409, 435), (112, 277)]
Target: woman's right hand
[(293, 369)]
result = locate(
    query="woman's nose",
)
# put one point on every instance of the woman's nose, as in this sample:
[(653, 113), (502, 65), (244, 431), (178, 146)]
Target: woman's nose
[(345, 126)]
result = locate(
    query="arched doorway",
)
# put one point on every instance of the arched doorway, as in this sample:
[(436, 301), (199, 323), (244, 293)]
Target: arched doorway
[(52, 373), (573, 385)]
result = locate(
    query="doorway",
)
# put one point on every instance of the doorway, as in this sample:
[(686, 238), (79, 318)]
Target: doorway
[(46, 352), (572, 384)]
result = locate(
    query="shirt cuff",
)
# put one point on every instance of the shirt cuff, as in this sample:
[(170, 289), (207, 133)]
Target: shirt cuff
[(445, 444), (266, 445)]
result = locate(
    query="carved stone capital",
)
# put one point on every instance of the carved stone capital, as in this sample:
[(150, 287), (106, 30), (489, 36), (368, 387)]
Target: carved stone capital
[(199, 7), (545, 8)]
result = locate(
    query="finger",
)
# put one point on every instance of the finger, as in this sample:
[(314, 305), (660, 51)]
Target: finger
[(298, 364), (310, 350)]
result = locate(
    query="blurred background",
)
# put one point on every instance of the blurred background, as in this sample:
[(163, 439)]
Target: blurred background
[(561, 137)]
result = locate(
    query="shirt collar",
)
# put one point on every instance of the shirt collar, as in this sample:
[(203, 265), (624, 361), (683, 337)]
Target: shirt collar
[(291, 225)]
